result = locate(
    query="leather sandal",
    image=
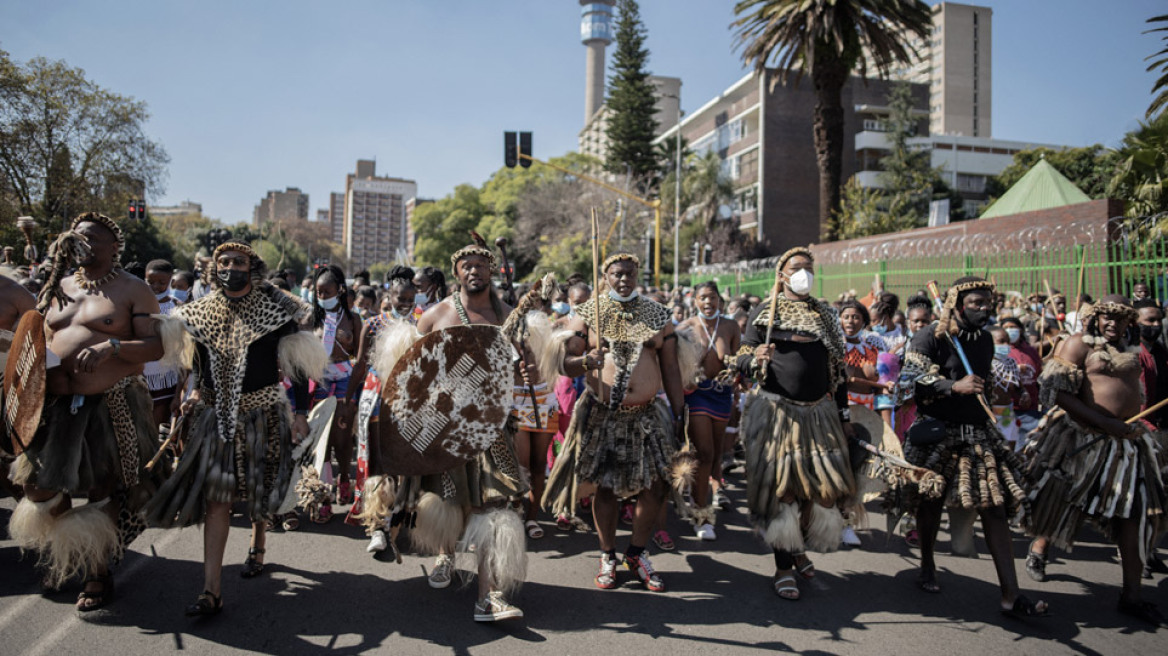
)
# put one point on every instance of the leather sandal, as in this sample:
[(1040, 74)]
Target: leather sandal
[(89, 601), (786, 587), (252, 567), (206, 604)]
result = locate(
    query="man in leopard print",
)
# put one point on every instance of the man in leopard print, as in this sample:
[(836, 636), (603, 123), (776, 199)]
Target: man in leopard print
[(95, 436), (241, 430)]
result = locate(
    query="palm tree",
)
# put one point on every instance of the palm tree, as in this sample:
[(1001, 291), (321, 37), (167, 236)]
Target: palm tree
[(1141, 173), (828, 40), (1161, 99)]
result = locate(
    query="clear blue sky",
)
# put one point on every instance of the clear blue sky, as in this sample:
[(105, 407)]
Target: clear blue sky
[(258, 95)]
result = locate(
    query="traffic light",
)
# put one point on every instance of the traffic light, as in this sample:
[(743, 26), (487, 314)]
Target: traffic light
[(510, 152), (141, 210), (525, 149), (133, 210)]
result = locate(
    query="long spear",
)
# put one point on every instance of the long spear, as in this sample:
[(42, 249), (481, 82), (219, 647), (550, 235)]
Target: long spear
[(933, 289)]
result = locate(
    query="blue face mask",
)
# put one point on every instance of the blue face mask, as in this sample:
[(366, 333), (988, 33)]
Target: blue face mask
[(561, 308), (1014, 334), (180, 295), (1002, 350), (421, 299), (329, 304), (880, 329)]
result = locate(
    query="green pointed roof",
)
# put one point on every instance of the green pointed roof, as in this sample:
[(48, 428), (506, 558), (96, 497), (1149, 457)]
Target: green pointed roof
[(1043, 187)]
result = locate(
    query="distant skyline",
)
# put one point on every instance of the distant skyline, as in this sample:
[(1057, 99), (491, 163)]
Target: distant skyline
[(250, 97)]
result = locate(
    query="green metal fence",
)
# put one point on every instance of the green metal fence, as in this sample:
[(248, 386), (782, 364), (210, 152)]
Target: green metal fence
[(1106, 268)]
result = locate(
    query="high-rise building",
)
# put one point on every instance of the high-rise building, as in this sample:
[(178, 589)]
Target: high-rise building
[(955, 64), (290, 204), (322, 216), (375, 224), (336, 216)]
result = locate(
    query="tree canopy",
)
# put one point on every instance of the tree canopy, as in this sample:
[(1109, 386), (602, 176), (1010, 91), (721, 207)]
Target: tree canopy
[(631, 105)]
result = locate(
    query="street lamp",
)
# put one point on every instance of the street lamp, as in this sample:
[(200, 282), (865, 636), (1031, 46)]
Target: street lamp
[(676, 191)]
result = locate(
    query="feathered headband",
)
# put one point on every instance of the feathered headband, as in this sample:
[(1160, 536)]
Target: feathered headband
[(479, 247), (101, 219)]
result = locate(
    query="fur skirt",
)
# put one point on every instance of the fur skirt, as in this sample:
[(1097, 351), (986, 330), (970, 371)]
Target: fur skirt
[(1072, 483), (979, 466), (794, 450), (255, 466)]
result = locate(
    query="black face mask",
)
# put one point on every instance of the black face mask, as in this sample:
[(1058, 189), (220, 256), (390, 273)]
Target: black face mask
[(233, 280), (1149, 333), (976, 318)]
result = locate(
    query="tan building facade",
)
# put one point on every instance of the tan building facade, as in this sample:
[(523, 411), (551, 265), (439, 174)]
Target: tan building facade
[(375, 226), (290, 204)]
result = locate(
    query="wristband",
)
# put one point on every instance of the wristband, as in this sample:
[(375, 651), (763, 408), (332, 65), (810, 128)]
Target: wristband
[(117, 344), (845, 414)]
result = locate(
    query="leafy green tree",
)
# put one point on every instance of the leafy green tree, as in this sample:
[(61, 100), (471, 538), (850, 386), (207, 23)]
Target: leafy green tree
[(631, 106), (1090, 168), (1141, 171), (145, 242), (444, 226), (828, 40), (906, 174), (67, 145)]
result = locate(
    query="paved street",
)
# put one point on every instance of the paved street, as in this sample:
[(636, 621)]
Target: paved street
[(323, 594)]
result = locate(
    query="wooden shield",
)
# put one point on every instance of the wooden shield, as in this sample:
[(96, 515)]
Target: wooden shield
[(311, 449), (446, 400), (24, 381)]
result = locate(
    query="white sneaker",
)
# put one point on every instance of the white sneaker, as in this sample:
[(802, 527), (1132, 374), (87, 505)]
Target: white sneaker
[(705, 532), (495, 607), (850, 538), (377, 543), (443, 572)]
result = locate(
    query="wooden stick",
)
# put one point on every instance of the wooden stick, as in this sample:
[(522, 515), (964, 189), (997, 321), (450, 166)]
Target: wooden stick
[(596, 290), (1050, 300), (175, 428), (1079, 288), (1150, 410), (771, 321)]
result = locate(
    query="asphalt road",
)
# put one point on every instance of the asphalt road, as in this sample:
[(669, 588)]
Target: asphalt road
[(322, 594)]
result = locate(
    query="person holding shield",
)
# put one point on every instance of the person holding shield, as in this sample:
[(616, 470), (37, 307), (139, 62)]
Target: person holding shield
[(95, 433)]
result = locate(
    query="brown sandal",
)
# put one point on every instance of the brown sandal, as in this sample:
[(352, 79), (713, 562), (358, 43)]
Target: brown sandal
[(205, 604), (100, 598)]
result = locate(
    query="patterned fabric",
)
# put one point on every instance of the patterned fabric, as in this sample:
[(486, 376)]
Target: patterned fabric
[(979, 468), (626, 327), (861, 355), (545, 406), (625, 450), (1006, 373), (158, 377), (710, 399), (368, 414), (814, 317), (226, 327)]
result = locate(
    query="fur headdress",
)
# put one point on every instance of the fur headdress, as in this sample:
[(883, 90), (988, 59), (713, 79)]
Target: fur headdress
[(619, 257), (798, 250), (101, 219), (257, 268), (953, 297), (479, 247), (1110, 304), (234, 246)]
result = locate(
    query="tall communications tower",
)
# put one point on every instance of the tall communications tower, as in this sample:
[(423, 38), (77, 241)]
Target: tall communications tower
[(596, 33)]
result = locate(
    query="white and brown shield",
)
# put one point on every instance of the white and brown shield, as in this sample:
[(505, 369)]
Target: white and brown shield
[(446, 400), (24, 381)]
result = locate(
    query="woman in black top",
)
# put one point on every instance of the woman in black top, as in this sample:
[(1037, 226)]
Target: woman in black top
[(796, 426)]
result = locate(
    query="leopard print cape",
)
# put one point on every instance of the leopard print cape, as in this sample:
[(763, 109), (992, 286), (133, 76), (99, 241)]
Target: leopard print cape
[(626, 326), (226, 327)]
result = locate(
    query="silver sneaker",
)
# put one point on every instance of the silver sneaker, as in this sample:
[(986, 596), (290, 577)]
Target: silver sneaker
[(494, 608), (443, 572)]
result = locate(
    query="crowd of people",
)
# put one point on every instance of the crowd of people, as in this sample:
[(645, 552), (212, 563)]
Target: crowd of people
[(621, 402)]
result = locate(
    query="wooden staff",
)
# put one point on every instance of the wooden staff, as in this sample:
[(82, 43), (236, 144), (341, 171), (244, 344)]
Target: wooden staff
[(509, 292), (175, 429), (936, 292), (596, 289), (1050, 300), (1079, 288), (771, 320)]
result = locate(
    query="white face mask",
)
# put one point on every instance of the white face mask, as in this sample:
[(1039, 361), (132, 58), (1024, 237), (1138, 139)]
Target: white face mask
[(711, 314), (800, 281), (621, 299), (329, 304)]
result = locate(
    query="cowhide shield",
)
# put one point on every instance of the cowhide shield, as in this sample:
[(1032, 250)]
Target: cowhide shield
[(446, 400), (311, 450), (24, 381)]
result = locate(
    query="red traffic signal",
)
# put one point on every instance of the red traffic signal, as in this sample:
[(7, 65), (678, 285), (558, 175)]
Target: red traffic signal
[(141, 210)]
